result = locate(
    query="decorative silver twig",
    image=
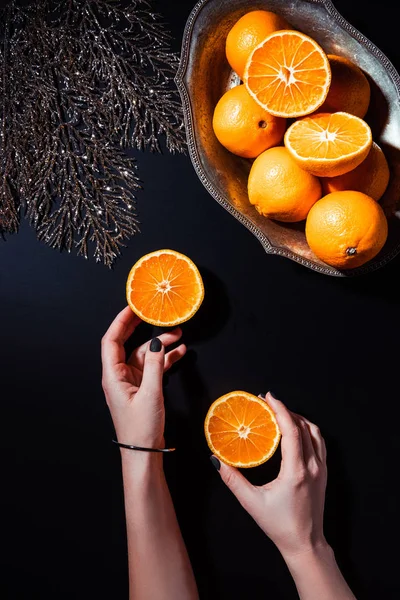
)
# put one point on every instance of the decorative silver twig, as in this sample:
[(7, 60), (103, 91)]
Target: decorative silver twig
[(82, 81)]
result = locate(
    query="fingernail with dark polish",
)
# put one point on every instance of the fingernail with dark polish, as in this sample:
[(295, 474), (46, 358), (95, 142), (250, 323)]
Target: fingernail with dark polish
[(273, 395), (155, 345), (215, 462), (262, 396)]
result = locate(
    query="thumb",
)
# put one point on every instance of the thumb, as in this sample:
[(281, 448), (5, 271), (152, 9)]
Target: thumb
[(236, 482), (153, 368)]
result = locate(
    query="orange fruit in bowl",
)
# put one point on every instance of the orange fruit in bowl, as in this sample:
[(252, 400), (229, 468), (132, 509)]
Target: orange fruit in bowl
[(346, 229), (241, 430), (164, 288), (279, 188), (288, 74), (371, 177), (349, 90), (247, 33), (243, 127), (329, 144)]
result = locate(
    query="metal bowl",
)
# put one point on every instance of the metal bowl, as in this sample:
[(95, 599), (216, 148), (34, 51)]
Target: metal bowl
[(204, 75)]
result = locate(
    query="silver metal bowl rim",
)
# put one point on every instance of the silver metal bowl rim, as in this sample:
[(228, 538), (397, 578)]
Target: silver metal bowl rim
[(194, 155)]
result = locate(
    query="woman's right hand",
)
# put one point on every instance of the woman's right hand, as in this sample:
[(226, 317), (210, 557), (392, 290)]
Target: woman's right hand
[(290, 508)]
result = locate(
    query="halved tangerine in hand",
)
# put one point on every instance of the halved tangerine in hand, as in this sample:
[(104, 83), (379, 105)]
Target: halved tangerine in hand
[(164, 288), (288, 74), (241, 430)]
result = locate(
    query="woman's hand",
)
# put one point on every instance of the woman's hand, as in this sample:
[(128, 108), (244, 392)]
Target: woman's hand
[(159, 566), (290, 509), (133, 387)]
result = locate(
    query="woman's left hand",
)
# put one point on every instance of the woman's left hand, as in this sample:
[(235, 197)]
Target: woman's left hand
[(133, 387)]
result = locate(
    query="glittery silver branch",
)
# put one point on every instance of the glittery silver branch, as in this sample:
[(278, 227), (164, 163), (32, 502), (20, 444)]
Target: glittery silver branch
[(82, 82), (10, 143)]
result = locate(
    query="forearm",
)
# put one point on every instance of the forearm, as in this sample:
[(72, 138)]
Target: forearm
[(159, 567), (317, 575)]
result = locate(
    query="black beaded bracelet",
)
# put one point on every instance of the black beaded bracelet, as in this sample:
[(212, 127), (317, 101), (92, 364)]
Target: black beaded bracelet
[(141, 449)]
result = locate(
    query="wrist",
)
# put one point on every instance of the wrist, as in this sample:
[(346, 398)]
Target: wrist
[(144, 440), (313, 553), (142, 467), (317, 575)]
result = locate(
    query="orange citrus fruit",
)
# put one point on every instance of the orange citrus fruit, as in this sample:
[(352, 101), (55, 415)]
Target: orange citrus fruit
[(241, 430), (243, 127), (371, 177), (288, 74), (329, 144), (346, 229), (279, 188), (164, 288), (247, 33), (349, 90)]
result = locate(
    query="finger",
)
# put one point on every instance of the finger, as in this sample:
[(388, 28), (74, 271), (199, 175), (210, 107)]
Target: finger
[(308, 447), (153, 369), (317, 440), (291, 443), (168, 338), (173, 356), (236, 482), (112, 344)]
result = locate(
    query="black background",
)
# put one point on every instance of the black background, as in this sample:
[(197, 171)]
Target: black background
[(323, 345)]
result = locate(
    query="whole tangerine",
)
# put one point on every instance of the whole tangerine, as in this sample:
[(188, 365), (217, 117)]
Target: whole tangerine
[(243, 127), (371, 177), (249, 31), (279, 188), (349, 90), (346, 229)]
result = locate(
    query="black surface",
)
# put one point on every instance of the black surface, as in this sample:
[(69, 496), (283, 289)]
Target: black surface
[(325, 346)]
